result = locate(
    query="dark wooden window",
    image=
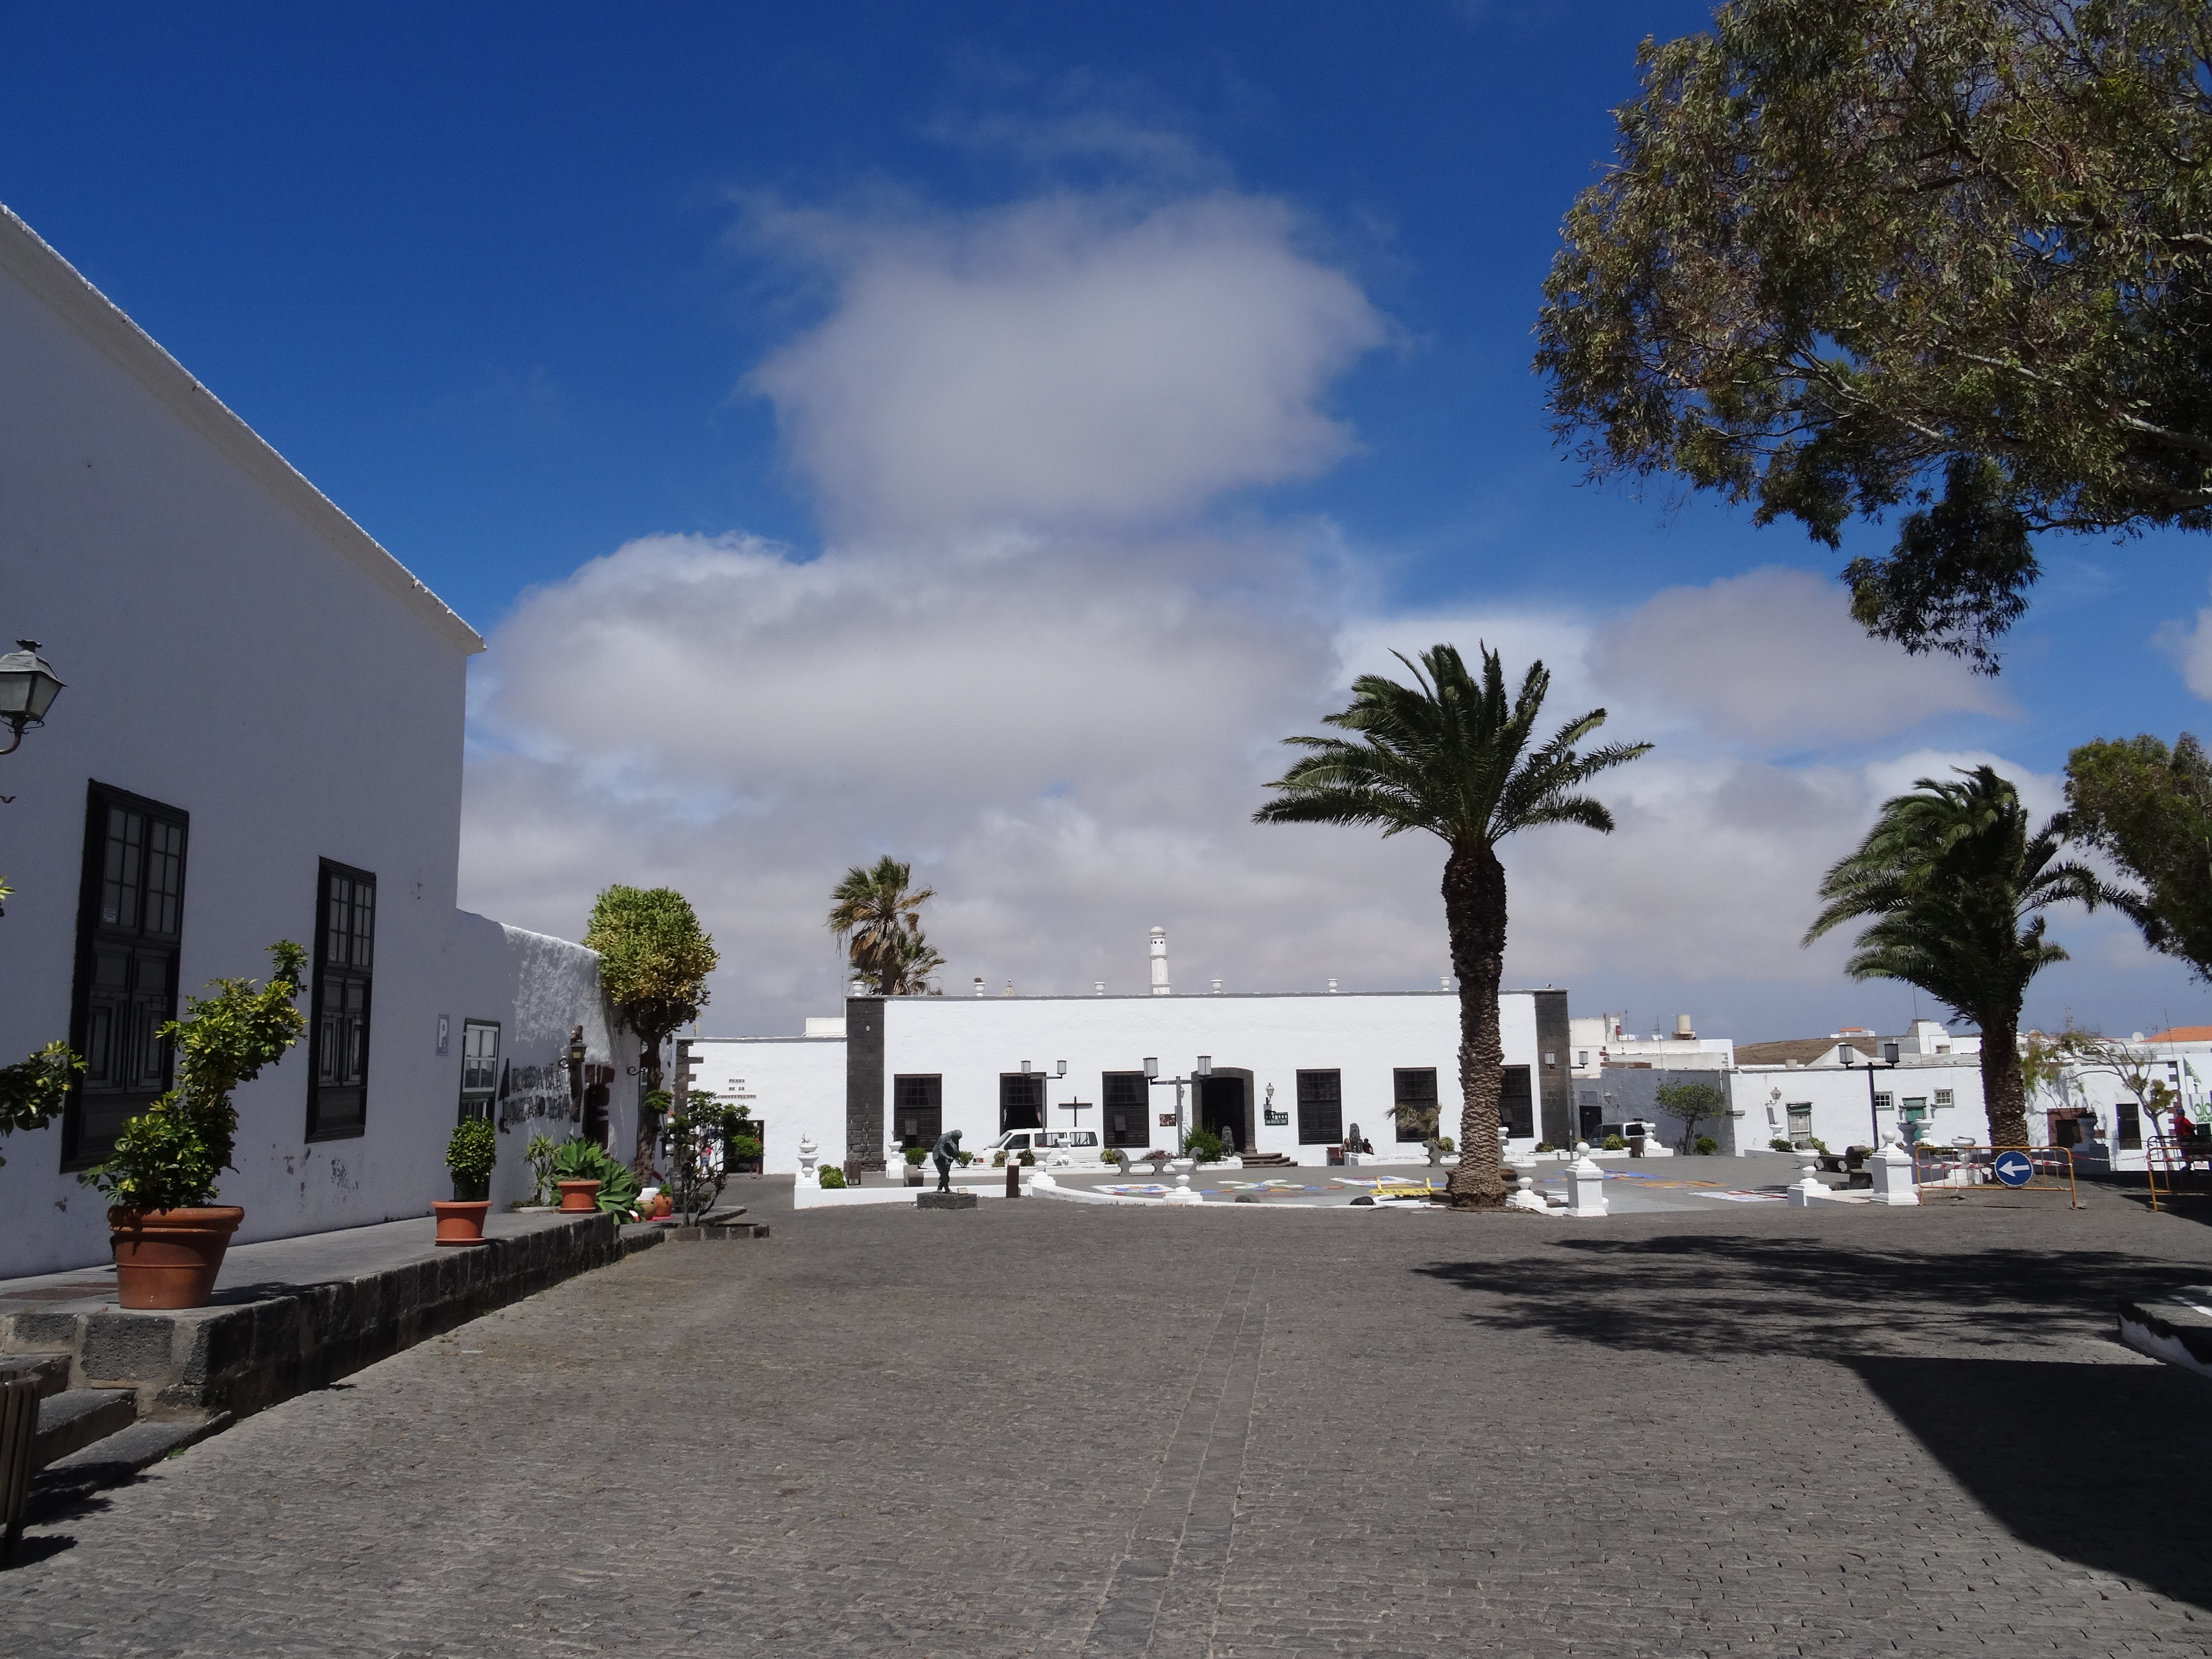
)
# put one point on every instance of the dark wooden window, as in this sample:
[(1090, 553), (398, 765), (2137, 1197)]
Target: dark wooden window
[(1128, 1105), (1321, 1108), (2130, 1125), (479, 1068), (1414, 1094), (1021, 1101), (337, 1031), (917, 1111), (131, 916), (1516, 1107)]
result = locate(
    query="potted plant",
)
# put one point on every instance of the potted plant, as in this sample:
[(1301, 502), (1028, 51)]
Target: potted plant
[(169, 1239), (590, 1180), (471, 1153), (1203, 1147), (913, 1156), (539, 1156)]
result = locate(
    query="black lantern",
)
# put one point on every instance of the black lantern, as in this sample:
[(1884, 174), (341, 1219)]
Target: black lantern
[(28, 686)]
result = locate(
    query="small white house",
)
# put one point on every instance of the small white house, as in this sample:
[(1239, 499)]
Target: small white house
[(1931, 1097), (259, 739)]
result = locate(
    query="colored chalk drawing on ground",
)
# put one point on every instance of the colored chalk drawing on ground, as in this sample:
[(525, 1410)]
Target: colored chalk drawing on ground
[(1153, 1191)]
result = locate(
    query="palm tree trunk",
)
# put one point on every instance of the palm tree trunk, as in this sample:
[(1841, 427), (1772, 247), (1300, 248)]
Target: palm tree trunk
[(2004, 1091), (1475, 915)]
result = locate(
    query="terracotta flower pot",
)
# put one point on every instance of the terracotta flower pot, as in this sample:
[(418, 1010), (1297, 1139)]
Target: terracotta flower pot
[(579, 1197), (460, 1222), (663, 1207), (169, 1258)]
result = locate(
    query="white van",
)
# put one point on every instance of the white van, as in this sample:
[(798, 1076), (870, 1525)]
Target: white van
[(1082, 1144)]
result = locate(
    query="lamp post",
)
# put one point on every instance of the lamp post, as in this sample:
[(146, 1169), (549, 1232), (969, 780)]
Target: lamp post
[(1153, 1079), (1888, 1061), (28, 688)]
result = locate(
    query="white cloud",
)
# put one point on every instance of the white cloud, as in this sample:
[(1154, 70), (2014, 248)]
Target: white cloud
[(1020, 665), (2190, 646), (1073, 362)]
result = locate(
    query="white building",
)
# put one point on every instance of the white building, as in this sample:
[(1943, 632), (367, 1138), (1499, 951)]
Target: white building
[(1932, 1097), (1291, 1075), (260, 739), (1601, 1039)]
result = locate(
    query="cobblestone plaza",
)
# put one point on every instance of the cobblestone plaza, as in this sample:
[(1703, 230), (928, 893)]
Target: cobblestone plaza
[(1044, 1428)]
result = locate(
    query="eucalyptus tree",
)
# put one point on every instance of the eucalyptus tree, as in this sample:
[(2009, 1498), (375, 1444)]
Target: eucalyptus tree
[(1953, 881), (2150, 809), (1452, 755), (1942, 260), (875, 913)]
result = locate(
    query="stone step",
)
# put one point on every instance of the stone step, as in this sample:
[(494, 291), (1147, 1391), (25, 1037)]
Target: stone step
[(77, 1416), (49, 1371), (1265, 1161), (67, 1482)]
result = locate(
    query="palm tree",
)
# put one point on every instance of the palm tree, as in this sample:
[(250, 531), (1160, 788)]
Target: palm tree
[(1950, 874), (907, 962), (1452, 757), (872, 908)]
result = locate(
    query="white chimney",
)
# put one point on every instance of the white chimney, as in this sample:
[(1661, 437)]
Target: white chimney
[(1684, 1031), (1159, 962), (1331, 988), (1098, 987), (979, 985), (1217, 987)]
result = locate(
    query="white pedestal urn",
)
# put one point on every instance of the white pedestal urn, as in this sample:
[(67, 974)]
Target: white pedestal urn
[(1041, 1180), (1809, 1189), (1182, 1193), (1892, 1168), (1525, 1198), (1586, 1188), (810, 1160)]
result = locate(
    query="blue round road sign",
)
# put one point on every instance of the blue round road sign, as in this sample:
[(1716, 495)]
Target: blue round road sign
[(2013, 1169)]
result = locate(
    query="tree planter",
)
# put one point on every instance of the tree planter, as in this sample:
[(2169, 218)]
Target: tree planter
[(579, 1197), (168, 1259), (460, 1221)]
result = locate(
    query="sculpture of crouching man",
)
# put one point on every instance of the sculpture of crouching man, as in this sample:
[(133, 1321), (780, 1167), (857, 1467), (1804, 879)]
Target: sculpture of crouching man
[(947, 1149)]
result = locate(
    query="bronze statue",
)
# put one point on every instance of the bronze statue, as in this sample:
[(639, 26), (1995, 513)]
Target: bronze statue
[(947, 1149)]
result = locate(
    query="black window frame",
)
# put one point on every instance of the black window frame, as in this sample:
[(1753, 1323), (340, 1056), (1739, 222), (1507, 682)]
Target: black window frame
[(131, 1026), (1134, 1104), (480, 1103), (917, 1097), (1400, 1077), (1321, 1108), (1517, 1100), (324, 1121), (1013, 1082)]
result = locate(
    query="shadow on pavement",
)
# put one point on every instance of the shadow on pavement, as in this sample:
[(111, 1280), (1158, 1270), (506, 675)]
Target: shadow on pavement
[(2066, 1456), (1708, 1293)]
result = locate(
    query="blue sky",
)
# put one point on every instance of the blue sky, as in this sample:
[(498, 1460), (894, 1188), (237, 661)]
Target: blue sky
[(523, 287)]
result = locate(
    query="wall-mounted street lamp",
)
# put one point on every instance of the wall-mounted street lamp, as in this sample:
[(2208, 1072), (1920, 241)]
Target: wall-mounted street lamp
[(28, 688), (1203, 1069)]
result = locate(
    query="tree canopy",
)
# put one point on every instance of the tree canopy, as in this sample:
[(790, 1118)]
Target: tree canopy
[(2150, 810), (655, 959), (1947, 258)]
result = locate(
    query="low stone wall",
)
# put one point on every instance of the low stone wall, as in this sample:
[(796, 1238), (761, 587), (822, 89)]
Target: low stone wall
[(241, 1356)]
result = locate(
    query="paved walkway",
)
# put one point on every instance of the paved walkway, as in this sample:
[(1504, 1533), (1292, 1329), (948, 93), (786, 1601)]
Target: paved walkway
[(1046, 1428)]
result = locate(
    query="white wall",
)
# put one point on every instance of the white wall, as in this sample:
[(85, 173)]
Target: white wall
[(234, 648), (1841, 1114), (797, 1086), (969, 1042)]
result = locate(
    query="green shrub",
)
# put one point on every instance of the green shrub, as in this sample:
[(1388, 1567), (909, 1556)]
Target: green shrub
[(914, 1155), (471, 1153), (998, 1160), (1819, 1146), (171, 1155), (833, 1179), (538, 1154), (33, 1091), (579, 1159), (1545, 1146), (1204, 1145), (1779, 1145), (1614, 1143), (743, 1149), (1028, 1158), (1707, 1146)]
